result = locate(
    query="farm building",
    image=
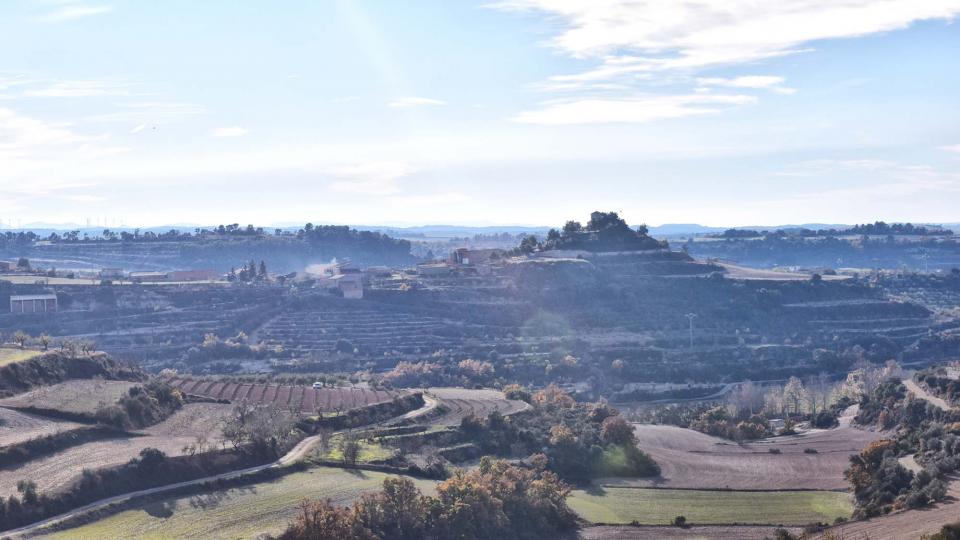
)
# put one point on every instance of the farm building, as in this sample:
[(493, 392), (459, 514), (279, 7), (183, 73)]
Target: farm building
[(33, 303), (6, 266), (193, 275), (468, 257), (350, 284)]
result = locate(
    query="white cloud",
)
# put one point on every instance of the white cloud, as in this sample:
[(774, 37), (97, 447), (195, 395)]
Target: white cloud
[(768, 82), (233, 131), (414, 102), (138, 129), (703, 33), (71, 10), (643, 109), (951, 148)]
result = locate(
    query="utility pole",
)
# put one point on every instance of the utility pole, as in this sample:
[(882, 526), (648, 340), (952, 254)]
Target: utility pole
[(690, 317)]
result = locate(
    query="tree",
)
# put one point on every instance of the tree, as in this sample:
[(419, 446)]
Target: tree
[(44, 340), (793, 394), (350, 449), (616, 430), (20, 338), (23, 264), (262, 273)]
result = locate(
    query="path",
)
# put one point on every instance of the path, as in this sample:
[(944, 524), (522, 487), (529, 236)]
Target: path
[(921, 393), (297, 453)]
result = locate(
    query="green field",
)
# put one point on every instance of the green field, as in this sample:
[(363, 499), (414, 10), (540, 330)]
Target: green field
[(10, 356), (241, 512), (660, 506)]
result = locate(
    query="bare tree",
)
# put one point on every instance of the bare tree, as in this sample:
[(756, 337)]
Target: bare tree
[(20, 338)]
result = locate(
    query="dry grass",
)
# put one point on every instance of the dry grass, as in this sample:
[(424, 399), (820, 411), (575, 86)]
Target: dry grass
[(82, 396), (17, 427), (722, 532), (10, 355), (57, 471)]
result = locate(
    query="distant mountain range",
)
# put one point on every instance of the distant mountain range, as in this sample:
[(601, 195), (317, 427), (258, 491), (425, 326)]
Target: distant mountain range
[(447, 231)]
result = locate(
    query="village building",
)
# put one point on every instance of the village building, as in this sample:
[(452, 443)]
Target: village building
[(475, 257), (33, 303), (148, 276), (6, 266), (350, 284)]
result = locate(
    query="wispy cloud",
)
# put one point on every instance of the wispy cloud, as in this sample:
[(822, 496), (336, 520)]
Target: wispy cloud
[(635, 43), (636, 110), (89, 88), (232, 131), (74, 10), (414, 102), (952, 148), (767, 82), (138, 129)]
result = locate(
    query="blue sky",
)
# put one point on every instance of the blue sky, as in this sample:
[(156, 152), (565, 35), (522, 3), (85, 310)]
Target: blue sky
[(464, 112)]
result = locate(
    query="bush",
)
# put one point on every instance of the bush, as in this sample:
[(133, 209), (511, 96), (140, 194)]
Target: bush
[(809, 450), (679, 521), (774, 450)]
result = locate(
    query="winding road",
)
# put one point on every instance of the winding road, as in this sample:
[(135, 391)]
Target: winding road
[(296, 454)]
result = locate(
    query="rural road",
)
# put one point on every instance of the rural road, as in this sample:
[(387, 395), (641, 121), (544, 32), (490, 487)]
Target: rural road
[(297, 453)]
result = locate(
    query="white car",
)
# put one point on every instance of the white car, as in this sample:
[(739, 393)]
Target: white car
[(317, 385)]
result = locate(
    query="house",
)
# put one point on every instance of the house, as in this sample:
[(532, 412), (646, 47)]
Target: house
[(33, 303), (194, 275), (350, 284), (6, 266)]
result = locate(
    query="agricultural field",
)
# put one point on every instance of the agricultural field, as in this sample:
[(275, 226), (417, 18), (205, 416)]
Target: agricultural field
[(12, 355), (17, 427), (612, 505), (297, 398), (241, 512), (78, 396), (690, 459), (461, 402), (57, 471)]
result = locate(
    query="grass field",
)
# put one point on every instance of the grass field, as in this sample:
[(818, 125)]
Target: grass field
[(242, 512), (660, 506), (10, 356)]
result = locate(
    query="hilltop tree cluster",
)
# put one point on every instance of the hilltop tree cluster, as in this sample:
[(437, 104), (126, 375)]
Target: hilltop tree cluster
[(606, 231)]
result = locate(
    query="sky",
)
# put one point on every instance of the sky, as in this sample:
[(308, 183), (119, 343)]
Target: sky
[(521, 112)]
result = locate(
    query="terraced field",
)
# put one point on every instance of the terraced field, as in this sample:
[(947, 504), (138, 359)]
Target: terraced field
[(59, 470), (375, 332), (690, 459), (610, 505), (17, 427), (461, 402), (297, 398), (721, 532), (242, 512), (79, 396)]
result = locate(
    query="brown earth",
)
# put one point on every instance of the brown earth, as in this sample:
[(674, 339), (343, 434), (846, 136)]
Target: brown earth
[(17, 427), (690, 459), (716, 532)]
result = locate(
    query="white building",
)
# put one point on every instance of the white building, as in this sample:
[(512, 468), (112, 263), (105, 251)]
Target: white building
[(33, 303)]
